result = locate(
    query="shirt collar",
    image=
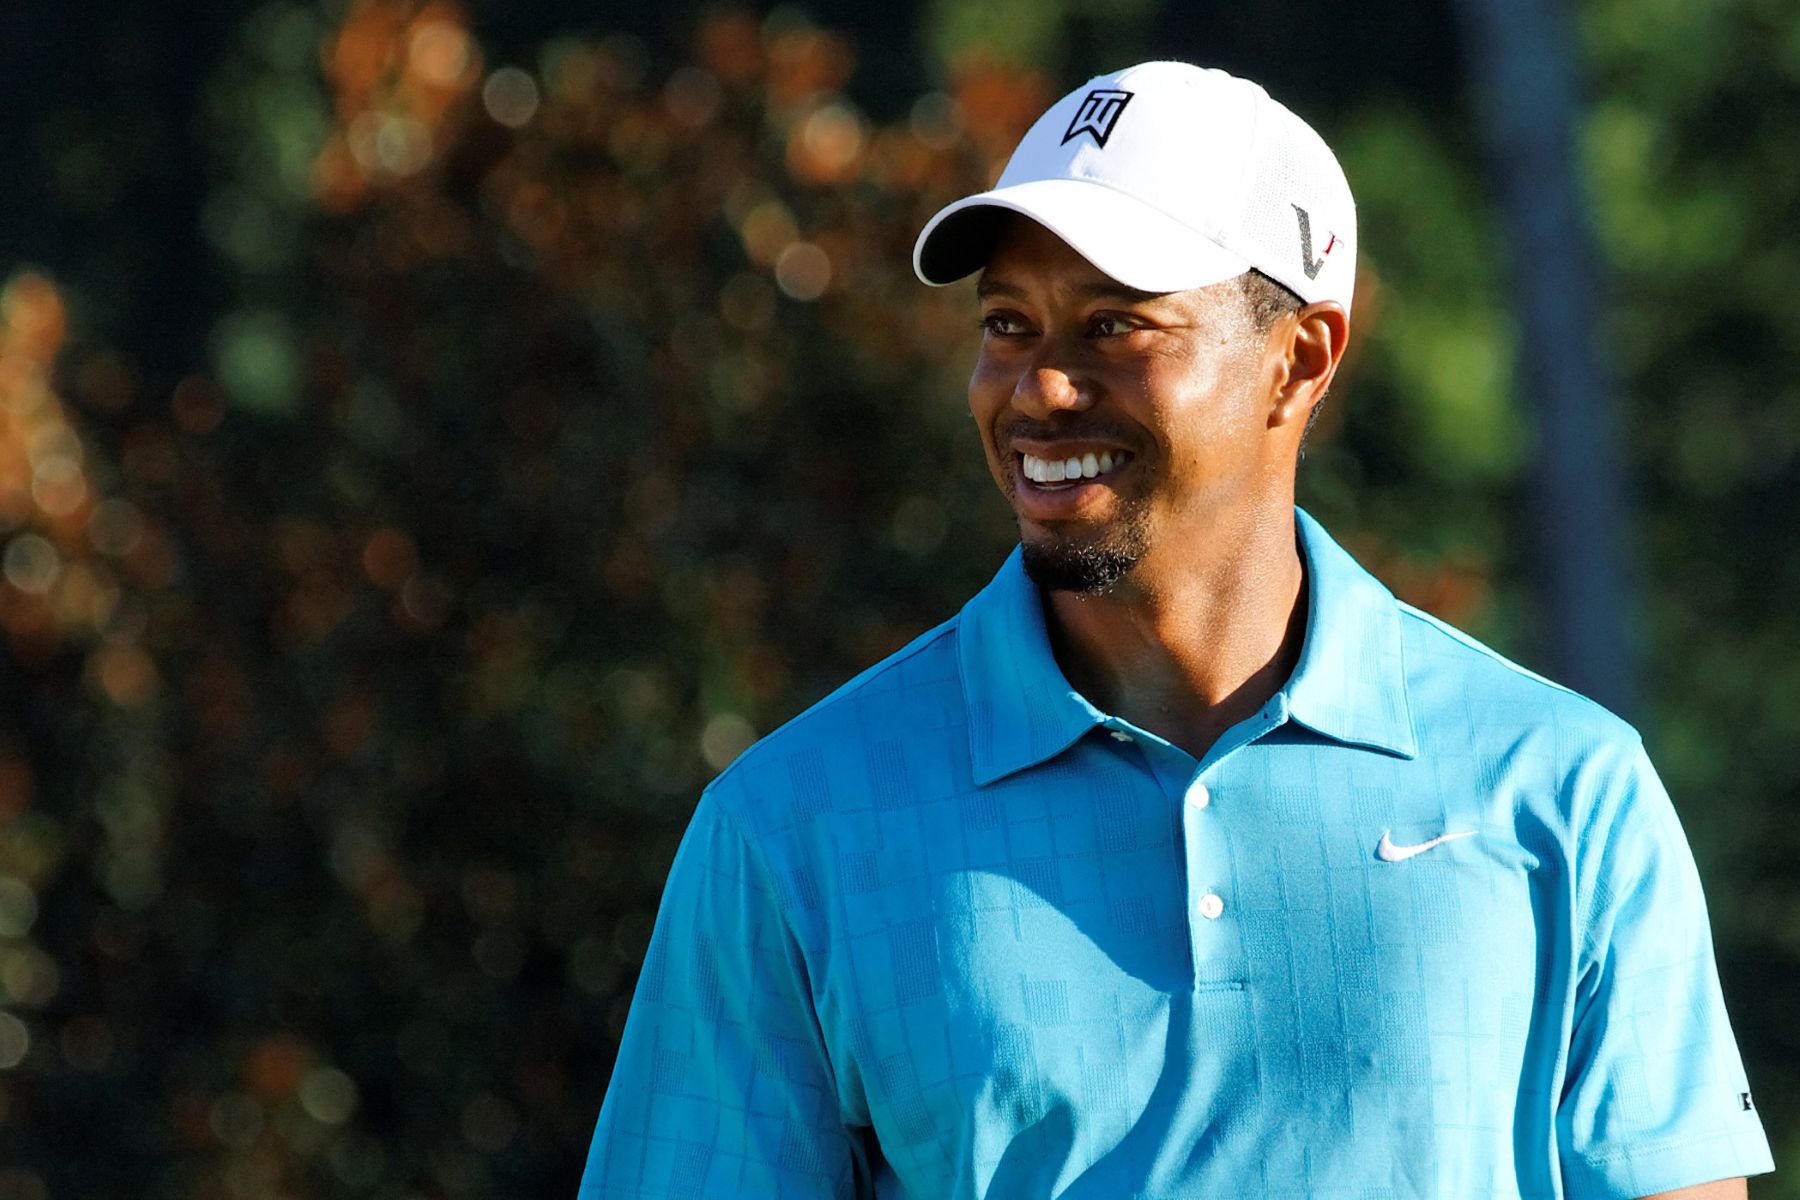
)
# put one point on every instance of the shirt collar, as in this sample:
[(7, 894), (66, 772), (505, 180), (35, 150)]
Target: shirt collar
[(1350, 682), (1021, 709)]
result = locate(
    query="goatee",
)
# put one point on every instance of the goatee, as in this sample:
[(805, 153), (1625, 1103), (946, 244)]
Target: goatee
[(1085, 568)]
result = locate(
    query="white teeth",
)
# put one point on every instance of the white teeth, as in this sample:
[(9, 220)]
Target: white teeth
[(1088, 466)]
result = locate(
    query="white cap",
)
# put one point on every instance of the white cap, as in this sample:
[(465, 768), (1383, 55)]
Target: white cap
[(1167, 176)]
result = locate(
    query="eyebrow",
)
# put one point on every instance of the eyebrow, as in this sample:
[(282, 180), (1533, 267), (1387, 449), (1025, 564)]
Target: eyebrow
[(1100, 289)]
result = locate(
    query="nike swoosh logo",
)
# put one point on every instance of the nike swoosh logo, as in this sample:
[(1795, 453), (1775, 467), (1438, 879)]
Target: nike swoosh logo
[(1388, 852)]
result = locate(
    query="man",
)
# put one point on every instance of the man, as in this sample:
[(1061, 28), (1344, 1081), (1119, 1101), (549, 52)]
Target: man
[(1185, 861)]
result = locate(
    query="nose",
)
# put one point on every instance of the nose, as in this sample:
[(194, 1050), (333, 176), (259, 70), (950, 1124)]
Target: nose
[(1045, 388)]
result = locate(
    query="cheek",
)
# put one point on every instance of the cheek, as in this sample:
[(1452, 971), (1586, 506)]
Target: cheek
[(1208, 425), (990, 389), (990, 383)]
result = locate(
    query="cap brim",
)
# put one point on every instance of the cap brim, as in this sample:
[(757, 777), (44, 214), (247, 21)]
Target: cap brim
[(1140, 246)]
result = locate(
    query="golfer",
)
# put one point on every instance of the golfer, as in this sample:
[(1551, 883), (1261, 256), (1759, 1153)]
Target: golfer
[(1185, 861)]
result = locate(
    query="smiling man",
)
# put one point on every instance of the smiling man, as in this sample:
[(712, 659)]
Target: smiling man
[(1185, 861)]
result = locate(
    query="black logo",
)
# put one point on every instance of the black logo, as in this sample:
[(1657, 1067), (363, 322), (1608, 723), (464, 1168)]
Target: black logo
[(1098, 113), (1308, 263), (1745, 1098)]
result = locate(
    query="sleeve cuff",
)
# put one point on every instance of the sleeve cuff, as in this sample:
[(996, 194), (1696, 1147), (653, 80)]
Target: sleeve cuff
[(1630, 1174)]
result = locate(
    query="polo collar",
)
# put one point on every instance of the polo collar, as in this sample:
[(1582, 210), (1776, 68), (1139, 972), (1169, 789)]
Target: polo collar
[(1350, 683), (1021, 708)]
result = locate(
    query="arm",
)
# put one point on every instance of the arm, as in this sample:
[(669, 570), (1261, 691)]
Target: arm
[(722, 1089), (1724, 1189), (1655, 1096)]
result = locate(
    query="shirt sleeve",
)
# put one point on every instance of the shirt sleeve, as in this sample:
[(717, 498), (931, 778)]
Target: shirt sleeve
[(722, 1087), (1655, 1096)]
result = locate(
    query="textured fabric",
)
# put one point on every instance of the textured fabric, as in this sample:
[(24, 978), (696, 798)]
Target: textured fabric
[(955, 933), (1252, 186)]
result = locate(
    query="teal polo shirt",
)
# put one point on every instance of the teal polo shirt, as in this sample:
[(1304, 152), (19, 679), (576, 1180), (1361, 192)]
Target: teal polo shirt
[(1424, 926)]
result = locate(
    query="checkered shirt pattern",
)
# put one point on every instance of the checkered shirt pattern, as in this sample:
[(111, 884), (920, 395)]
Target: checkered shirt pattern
[(956, 933)]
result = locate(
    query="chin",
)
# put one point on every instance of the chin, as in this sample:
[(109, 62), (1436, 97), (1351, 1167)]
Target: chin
[(1085, 568)]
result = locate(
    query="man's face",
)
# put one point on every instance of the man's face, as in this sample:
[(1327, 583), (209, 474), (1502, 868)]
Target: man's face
[(1119, 424)]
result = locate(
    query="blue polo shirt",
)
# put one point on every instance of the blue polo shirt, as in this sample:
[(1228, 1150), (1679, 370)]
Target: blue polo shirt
[(1424, 926)]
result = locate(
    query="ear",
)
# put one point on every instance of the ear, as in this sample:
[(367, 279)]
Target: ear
[(1311, 344)]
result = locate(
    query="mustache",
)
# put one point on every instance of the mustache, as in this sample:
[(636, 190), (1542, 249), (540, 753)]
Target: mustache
[(1074, 429)]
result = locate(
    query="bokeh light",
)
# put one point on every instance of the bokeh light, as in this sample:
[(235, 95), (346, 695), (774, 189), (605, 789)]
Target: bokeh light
[(511, 96), (803, 271)]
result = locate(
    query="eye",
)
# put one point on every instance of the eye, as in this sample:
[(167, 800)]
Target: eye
[(1002, 323), (1110, 325)]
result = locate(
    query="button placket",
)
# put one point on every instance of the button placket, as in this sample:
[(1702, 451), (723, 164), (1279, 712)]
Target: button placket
[(1212, 905), (1210, 943)]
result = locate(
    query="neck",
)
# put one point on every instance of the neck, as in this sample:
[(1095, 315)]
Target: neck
[(1195, 639)]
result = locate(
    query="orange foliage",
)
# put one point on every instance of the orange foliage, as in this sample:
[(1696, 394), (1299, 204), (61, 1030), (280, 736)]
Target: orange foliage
[(400, 72), (73, 561), (998, 104), (608, 162), (275, 1066)]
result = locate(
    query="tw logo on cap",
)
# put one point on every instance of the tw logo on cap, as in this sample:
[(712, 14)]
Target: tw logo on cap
[(1098, 113)]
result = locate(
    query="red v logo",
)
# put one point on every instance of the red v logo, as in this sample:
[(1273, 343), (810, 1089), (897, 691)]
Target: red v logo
[(1308, 263)]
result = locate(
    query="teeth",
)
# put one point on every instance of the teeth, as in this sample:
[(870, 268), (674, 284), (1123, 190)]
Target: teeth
[(1088, 466)]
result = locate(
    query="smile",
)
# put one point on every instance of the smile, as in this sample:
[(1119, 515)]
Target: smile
[(1048, 472)]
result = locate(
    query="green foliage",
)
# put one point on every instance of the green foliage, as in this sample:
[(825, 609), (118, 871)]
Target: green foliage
[(1029, 34), (1695, 185), (1425, 438)]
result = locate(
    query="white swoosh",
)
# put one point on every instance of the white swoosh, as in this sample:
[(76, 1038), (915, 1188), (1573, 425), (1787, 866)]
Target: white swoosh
[(1388, 852)]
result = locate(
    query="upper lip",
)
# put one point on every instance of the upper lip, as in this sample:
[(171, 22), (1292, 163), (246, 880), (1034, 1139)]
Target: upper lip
[(1064, 448)]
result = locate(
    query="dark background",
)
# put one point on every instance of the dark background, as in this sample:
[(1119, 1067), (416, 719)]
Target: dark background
[(434, 440)]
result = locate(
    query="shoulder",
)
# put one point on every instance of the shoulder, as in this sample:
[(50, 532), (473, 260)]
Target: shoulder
[(1466, 691), (801, 769), (1576, 774)]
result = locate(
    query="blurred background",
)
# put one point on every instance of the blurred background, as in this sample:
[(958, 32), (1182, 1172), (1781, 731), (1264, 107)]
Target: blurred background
[(436, 438)]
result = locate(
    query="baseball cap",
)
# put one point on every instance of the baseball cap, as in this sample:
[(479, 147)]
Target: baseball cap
[(1167, 176)]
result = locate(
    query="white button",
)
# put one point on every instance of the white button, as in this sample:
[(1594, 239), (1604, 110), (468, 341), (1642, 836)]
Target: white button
[(1211, 906), (1198, 796), (1119, 735)]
